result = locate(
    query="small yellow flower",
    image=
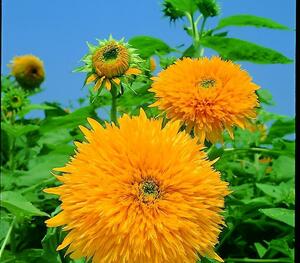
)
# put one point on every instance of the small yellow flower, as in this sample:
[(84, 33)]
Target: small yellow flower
[(139, 193), (28, 71), (207, 95), (110, 62)]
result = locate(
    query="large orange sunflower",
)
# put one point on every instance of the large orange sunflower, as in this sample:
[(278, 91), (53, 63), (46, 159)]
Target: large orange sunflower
[(138, 193), (28, 71), (207, 95)]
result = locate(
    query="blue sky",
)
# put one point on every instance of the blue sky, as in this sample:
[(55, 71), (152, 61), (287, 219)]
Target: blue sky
[(57, 32)]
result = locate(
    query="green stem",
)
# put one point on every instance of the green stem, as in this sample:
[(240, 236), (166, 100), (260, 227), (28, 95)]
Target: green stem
[(7, 237), (255, 260), (12, 155), (254, 149), (201, 33), (202, 26), (195, 33), (113, 110)]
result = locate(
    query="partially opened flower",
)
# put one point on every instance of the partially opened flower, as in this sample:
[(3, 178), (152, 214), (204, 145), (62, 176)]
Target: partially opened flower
[(109, 62), (139, 193), (207, 95), (14, 99), (28, 71)]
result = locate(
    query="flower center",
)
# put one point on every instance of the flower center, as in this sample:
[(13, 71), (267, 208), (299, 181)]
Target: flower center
[(111, 60), (15, 99), (148, 191), (207, 83), (111, 53)]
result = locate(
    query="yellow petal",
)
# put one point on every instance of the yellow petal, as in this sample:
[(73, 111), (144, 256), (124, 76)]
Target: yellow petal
[(133, 71), (57, 220), (91, 78), (117, 81), (98, 83), (107, 84)]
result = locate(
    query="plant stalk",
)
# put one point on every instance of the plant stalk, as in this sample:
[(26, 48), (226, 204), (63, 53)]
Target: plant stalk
[(113, 110), (7, 237)]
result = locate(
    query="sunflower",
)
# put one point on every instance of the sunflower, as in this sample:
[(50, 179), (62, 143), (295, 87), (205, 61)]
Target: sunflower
[(207, 95), (14, 99), (109, 62), (28, 71), (139, 193)]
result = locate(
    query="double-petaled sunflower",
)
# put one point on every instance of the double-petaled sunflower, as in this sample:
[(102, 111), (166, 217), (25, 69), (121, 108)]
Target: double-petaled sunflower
[(109, 62), (28, 71), (139, 193), (207, 95)]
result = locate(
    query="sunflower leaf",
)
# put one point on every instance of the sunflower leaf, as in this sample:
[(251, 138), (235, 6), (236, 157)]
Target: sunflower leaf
[(281, 214), (148, 46), (250, 20), (240, 50), (18, 205)]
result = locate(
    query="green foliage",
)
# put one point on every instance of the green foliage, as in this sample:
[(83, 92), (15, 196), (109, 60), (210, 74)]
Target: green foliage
[(18, 205), (258, 164), (250, 20), (241, 50), (149, 46)]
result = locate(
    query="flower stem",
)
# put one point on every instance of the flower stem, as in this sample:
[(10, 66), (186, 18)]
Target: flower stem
[(255, 260), (7, 237), (254, 149), (113, 110)]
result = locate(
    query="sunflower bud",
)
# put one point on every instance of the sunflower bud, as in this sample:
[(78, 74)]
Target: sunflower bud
[(208, 8), (109, 63), (14, 99), (170, 11), (28, 71)]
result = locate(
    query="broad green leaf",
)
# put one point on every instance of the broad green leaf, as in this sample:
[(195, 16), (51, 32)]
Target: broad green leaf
[(284, 192), (27, 108), (69, 121), (18, 130), (271, 190), (250, 20), (40, 168), (18, 205), (240, 50), (284, 146), (148, 46), (284, 168), (261, 250), (265, 96), (30, 255), (281, 127), (282, 246), (281, 214), (54, 138)]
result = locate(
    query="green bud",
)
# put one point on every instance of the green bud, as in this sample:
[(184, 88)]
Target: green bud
[(208, 8)]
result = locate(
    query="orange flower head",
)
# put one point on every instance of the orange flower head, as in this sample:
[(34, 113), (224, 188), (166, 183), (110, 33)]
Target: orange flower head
[(28, 71), (139, 193), (207, 95)]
